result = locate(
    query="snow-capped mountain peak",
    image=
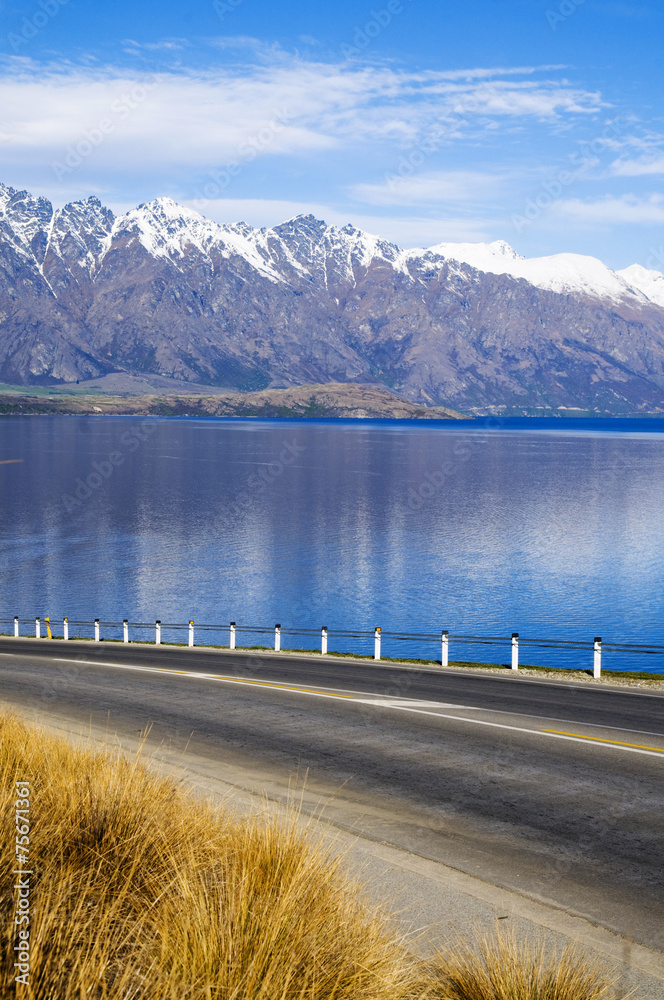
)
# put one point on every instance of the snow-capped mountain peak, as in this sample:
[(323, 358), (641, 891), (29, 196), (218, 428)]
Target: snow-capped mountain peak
[(303, 246), (169, 230), (30, 219), (503, 249), (164, 227), (327, 253), (570, 273), (161, 289), (649, 282), (564, 273), (479, 255)]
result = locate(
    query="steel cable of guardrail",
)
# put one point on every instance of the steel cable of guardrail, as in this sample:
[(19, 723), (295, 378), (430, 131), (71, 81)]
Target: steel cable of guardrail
[(341, 634)]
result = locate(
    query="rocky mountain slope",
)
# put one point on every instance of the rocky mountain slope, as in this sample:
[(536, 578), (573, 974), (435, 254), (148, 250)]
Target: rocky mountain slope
[(163, 290)]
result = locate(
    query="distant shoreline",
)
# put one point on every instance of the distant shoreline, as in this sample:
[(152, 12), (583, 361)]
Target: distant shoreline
[(124, 394), (129, 395)]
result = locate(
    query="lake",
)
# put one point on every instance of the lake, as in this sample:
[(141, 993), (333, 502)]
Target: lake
[(550, 528)]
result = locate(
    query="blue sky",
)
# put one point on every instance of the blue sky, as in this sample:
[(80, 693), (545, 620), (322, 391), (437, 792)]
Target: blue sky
[(540, 122)]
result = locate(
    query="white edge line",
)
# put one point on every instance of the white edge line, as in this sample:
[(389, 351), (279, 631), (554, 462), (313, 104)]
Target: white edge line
[(456, 673), (588, 741), (379, 698)]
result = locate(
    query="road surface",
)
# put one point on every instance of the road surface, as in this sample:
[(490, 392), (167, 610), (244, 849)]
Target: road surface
[(554, 790)]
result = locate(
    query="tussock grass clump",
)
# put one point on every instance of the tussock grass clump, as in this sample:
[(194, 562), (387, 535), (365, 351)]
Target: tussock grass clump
[(504, 968), (142, 891)]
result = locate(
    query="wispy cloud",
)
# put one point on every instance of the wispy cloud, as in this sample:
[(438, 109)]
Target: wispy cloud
[(522, 98), (198, 118), (610, 211), (486, 73), (643, 167), (204, 136), (430, 188), (164, 45), (405, 231), (247, 42)]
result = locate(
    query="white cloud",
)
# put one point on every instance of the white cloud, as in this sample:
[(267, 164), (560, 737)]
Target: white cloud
[(628, 209), (164, 45), (525, 98), (258, 212), (299, 135), (240, 42), (496, 71), (411, 231), (638, 168), (429, 188), (197, 119), (191, 121)]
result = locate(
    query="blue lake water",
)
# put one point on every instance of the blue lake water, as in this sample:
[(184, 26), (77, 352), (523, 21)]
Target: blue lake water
[(552, 528)]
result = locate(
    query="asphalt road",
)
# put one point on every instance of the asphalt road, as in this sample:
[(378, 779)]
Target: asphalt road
[(551, 789)]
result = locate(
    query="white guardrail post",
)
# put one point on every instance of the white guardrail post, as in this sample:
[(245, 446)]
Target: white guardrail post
[(444, 637)]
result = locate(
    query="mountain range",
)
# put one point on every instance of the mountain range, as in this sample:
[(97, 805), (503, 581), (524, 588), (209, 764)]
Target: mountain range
[(163, 290)]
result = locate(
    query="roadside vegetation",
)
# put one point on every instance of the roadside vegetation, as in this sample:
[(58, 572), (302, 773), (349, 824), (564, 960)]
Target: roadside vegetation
[(142, 891), (504, 968)]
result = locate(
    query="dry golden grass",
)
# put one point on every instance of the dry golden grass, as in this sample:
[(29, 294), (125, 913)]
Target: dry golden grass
[(143, 892), (504, 968)]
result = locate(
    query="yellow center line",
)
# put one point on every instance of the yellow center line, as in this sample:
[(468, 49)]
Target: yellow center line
[(10, 461), (209, 677), (598, 739), (379, 703), (267, 684)]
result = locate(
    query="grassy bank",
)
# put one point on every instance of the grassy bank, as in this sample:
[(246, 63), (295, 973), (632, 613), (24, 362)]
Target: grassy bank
[(141, 891)]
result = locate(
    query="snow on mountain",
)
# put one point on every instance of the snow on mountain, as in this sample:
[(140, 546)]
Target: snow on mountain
[(79, 235), (169, 230), (5, 197), (325, 253), (565, 273), (365, 247), (303, 246), (496, 258), (29, 219), (651, 283), (573, 273), (163, 290)]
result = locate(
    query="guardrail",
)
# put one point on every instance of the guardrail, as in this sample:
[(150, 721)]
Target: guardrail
[(141, 632)]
